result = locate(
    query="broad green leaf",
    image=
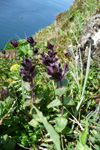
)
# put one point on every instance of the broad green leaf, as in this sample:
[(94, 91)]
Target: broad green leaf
[(84, 135), (81, 147), (60, 91), (7, 143), (30, 52), (33, 123), (96, 147), (26, 85), (9, 45), (68, 101), (64, 83), (53, 134), (60, 123), (27, 103), (67, 130), (54, 103), (23, 49)]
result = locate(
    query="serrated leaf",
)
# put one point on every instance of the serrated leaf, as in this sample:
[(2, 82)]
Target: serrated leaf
[(53, 134), (68, 101), (33, 123), (60, 124), (54, 103), (60, 91)]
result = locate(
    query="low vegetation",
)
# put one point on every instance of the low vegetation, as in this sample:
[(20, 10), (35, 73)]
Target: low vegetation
[(49, 94)]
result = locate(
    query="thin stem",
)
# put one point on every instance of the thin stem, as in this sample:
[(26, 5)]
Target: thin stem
[(62, 142), (62, 98), (15, 53), (32, 95)]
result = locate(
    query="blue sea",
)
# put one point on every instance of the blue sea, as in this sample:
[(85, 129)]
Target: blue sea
[(23, 18)]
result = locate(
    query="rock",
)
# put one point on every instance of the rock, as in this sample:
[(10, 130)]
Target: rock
[(91, 34)]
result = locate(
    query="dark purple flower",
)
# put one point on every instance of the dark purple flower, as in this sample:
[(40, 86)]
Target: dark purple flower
[(3, 51), (27, 63), (35, 50), (56, 72), (27, 71), (49, 60), (85, 64), (51, 53), (4, 92), (14, 43), (50, 46), (31, 40)]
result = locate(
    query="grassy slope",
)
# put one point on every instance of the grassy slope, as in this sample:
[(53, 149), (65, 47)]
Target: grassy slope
[(68, 25)]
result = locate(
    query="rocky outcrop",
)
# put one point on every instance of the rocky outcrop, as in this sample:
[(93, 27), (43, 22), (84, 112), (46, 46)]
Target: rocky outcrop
[(91, 34)]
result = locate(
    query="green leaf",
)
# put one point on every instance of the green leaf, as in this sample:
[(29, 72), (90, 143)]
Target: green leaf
[(30, 52), (54, 103), (9, 45), (26, 85), (62, 32), (7, 143), (27, 103), (33, 123), (64, 83), (67, 130), (60, 124), (81, 147), (60, 91), (53, 134), (68, 101), (83, 138), (96, 147), (23, 49), (38, 98)]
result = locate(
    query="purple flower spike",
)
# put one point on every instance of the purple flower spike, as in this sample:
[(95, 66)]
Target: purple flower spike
[(56, 72), (27, 71), (14, 43), (27, 63), (49, 60), (50, 46), (51, 53), (30, 40)]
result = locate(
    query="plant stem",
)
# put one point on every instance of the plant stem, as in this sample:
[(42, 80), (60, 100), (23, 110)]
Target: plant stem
[(62, 98), (15, 53), (32, 95)]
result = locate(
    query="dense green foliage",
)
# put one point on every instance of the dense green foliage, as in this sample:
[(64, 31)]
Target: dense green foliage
[(65, 111)]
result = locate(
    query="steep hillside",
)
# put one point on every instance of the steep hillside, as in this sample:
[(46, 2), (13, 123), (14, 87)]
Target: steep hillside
[(68, 25)]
